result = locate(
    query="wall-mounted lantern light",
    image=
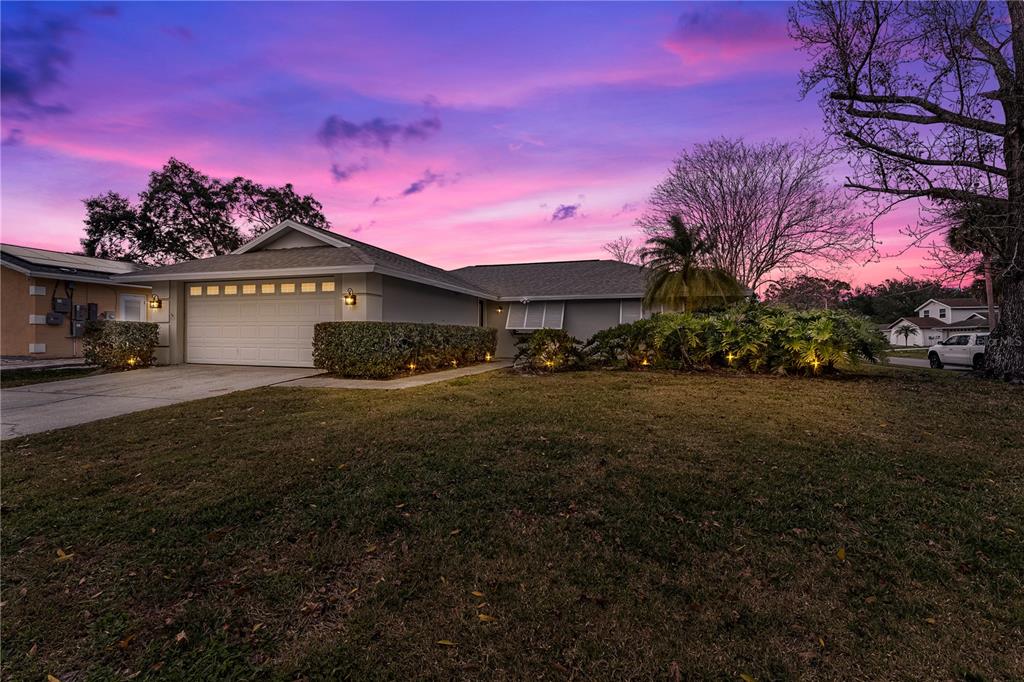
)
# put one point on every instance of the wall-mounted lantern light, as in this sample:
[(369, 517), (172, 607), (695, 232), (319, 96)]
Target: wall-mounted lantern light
[(499, 309), (350, 297), (155, 302)]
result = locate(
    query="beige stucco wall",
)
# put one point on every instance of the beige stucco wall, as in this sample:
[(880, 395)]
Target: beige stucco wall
[(406, 301), (16, 333)]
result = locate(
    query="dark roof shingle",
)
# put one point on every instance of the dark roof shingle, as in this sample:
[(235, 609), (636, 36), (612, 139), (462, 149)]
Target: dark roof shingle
[(562, 278)]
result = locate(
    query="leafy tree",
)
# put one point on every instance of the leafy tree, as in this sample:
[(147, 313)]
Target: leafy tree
[(896, 298), (805, 292), (184, 214), (927, 98), (759, 208), (906, 330), (680, 277)]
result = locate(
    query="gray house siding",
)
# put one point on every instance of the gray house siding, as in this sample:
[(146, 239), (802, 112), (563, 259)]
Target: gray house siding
[(585, 318), (405, 301)]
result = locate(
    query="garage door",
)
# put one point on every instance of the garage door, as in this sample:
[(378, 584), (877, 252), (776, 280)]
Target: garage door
[(266, 322)]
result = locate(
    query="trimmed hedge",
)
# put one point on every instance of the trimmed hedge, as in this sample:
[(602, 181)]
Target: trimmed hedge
[(381, 350), (120, 345)]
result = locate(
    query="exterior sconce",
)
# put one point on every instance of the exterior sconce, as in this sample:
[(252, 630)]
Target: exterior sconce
[(500, 309), (350, 297), (155, 303)]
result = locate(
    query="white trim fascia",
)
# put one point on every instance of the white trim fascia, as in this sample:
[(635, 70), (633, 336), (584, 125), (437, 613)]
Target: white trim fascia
[(250, 274), (570, 297), (290, 225)]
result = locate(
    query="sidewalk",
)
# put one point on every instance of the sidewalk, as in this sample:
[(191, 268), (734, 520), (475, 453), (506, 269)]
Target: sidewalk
[(394, 384)]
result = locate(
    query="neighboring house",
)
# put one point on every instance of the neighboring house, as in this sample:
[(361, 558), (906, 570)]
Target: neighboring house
[(48, 297), (939, 318), (258, 304)]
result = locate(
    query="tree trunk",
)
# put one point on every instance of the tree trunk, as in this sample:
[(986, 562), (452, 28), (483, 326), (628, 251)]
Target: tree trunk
[(1004, 354)]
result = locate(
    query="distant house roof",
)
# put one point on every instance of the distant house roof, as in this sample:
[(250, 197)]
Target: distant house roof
[(920, 322), (559, 279), (955, 303), (59, 265)]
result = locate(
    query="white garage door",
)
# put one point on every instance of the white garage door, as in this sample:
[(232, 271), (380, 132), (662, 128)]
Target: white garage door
[(267, 322)]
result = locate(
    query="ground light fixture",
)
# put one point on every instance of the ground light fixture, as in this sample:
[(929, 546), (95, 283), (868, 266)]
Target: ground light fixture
[(350, 297), (155, 302)]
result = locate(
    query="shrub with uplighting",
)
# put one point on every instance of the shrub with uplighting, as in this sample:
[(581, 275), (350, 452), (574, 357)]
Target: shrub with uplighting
[(113, 344), (549, 350), (381, 350)]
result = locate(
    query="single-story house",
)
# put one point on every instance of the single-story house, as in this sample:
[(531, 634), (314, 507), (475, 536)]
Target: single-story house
[(939, 318), (48, 297), (258, 304)]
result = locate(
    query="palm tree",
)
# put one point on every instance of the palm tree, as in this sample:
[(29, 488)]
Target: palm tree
[(906, 330), (677, 279)]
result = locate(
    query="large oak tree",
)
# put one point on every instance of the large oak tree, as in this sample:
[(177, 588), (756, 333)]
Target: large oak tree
[(928, 100), (184, 214)]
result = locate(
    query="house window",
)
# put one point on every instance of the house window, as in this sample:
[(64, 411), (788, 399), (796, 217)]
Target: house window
[(195, 291), (308, 287), (213, 290), (630, 311), (230, 289), (287, 287), (927, 313), (248, 289), (326, 286), (267, 288), (942, 312), (536, 315)]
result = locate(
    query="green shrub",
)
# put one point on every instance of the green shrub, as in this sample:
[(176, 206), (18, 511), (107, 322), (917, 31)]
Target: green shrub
[(748, 336), (120, 345), (380, 350), (549, 350)]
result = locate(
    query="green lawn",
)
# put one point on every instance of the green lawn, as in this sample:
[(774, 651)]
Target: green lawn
[(10, 378), (921, 353), (587, 526)]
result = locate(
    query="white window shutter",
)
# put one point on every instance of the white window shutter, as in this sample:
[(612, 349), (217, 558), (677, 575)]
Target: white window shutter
[(554, 312), (534, 315), (516, 316), (630, 311)]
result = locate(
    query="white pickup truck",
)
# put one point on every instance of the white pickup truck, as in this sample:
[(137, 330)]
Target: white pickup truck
[(962, 349)]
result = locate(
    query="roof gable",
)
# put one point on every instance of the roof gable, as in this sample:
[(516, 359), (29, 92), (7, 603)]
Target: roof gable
[(953, 303), (325, 237)]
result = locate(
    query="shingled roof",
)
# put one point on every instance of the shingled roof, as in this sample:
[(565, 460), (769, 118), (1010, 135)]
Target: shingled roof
[(578, 278), (60, 265)]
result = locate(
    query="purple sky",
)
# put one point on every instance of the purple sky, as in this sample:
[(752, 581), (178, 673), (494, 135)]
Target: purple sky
[(452, 133)]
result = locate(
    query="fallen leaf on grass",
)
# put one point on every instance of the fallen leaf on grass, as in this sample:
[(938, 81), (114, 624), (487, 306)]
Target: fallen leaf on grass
[(484, 618), (33, 650), (841, 554), (126, 642), (52, 678), (821, 642), (257, 627), (446, 642), (932, 621), (476, 593), (455, 532), (180, 637), (746, 678), (62, 556)]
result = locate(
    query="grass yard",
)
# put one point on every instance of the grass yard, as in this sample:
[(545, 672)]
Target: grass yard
[(10, 378), (585, 526)]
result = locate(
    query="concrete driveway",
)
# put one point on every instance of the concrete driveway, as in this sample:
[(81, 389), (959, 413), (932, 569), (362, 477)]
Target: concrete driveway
[(922, 363), (54, 405)]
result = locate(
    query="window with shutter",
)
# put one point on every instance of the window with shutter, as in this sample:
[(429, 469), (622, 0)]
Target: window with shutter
[(535, 315), (630, 311)]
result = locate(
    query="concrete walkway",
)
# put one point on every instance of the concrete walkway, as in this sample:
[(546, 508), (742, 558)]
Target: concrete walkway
[(393, 384), (23, 362), (56, 404)]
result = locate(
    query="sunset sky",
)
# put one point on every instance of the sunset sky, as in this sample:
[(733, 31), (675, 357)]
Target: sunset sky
[(452, 133)]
